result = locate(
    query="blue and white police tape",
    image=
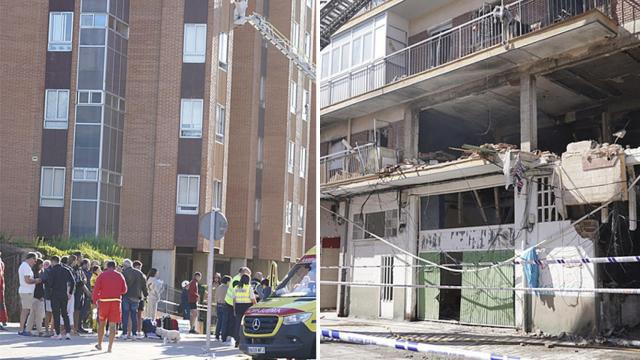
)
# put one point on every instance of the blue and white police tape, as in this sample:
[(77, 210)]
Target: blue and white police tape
[(412, 346), (557, 261)]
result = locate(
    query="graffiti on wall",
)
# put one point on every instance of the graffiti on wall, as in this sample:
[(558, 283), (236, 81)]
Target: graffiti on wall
[(499, 237)]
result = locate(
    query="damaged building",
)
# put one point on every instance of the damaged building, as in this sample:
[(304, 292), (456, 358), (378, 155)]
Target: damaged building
[(464, 132)]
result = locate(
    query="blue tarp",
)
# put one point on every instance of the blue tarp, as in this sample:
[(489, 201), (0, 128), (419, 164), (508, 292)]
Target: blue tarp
[(531, 271)]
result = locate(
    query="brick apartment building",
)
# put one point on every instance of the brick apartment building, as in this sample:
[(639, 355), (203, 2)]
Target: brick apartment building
[(125, 111), (271, 132)]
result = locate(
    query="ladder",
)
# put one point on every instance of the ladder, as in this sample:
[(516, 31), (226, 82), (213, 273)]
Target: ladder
[(277, 39), (334, 14)]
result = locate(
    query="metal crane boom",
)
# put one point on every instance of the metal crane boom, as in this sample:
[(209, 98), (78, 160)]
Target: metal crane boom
[(277, 39)]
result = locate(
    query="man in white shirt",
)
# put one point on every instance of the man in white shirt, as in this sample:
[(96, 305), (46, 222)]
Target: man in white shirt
[(26, 289)]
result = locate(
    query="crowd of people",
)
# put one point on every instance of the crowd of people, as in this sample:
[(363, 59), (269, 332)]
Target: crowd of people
[(232, 296), (65, 296)]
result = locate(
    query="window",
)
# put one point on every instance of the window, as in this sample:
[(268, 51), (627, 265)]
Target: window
[(90, 97), (191, 118), (195, 46), (188, 194), (262, 93), (291, 156), (310, 4), (260, 164), (294, 97), (386, 277), (56, 109), (288, 216), (60, 31), (85, 174), (303, 161), (307, 45), (300, 220), (547, 210), (345, 58), (52, 186), (221, 115), (375, 224), (93, 20), (391, 223), (258, 213), (217, 194), (357, 231), (223, 50), (305, 104), (295, 34), (325, 64)]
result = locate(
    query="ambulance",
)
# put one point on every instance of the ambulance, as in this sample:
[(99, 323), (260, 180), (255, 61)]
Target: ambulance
[(284, 324)]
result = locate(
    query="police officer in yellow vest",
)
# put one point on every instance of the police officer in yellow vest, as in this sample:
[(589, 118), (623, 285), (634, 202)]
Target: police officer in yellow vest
[(243, 299), (229, 311)]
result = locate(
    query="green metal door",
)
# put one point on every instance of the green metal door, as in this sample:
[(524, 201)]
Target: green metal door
[(429, 298), (488, 307)]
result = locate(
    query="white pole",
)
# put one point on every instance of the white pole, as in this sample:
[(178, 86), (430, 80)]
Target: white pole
[(212, 231)]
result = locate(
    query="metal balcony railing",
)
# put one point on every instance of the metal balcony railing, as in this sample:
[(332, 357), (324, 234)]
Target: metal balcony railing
[(360, 161), (498, 27)]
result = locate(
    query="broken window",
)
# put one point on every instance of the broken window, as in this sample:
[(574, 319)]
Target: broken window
[(492, 206), (546, 201), (374, 223)]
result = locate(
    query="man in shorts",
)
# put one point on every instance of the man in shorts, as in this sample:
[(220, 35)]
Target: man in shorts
[(26, 289), (109, 288)]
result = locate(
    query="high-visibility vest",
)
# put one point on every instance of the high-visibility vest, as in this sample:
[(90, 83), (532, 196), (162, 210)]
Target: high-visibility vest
[(242, 294), (228, 298)]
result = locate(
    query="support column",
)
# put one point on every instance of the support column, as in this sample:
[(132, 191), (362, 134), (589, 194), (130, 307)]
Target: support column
[(606, 128), (528, 113), (165, 262), (344, 260), (411, 133)]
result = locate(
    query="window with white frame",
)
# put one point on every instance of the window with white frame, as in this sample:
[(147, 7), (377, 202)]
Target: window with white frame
[(52, 186), (191, 118), (291, 154), (258, 214), (288, 216), (56, 109), (188, 194), (85, 174), (381, 223), (300, 220), (195, 43), (547, 210), (262, 92), (391, 223), (306, 104), (295, 35), (307, 45), (303, 161), (90, 97), (217, 194), (93, 20), (294, 96), (60, 31), (259, 162), (357, 229), (221, 115), (223, 50), (310, 4)]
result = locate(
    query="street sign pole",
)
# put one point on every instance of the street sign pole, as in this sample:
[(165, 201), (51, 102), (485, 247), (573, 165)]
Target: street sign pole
[(210, 267)]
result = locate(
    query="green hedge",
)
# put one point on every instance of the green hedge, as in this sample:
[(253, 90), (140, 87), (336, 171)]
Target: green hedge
[(99, 248)]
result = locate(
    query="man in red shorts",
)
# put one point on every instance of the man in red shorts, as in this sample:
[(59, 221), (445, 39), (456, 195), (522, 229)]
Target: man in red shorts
[(109, 288)]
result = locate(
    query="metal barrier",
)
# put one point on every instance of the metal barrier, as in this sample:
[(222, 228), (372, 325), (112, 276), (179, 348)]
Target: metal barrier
[(362, 160), (500, 26)]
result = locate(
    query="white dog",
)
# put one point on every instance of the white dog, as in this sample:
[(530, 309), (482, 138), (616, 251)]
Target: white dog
[(168, 335)]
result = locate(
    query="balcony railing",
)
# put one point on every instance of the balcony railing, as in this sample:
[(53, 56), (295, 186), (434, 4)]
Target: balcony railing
[(360, 161), (519, 18)]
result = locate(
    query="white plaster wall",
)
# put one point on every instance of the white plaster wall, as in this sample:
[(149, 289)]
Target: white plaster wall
[(369, 252), (329, 226), (384, 117), (334, 131)]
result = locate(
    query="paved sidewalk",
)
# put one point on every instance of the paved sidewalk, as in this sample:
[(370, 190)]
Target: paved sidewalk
[(490, 340), (14, 346)]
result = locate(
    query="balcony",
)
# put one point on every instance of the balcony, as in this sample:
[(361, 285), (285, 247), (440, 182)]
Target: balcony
[(524, 31), (358, 162)]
